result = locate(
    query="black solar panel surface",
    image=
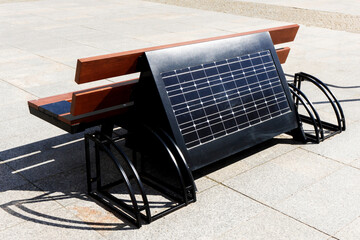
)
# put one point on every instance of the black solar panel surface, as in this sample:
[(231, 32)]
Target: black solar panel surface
[(216, 99)]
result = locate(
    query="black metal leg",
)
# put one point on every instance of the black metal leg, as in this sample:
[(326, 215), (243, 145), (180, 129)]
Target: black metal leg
[(88, 166), (313, 117), (107, 128), (133, 213)]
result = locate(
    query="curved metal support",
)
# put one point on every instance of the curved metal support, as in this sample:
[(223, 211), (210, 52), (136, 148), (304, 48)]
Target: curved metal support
[(300, 96), (183, 192), (133, 213), (181, 188), (173, 160), (131, 167), (184, 167), (341, 126), (163, 167)]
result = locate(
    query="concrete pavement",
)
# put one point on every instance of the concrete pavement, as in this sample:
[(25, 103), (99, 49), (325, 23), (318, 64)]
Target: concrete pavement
[(280, 190)]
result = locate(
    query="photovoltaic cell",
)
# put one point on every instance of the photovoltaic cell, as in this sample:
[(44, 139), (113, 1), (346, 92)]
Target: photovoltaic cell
[(216, 99)]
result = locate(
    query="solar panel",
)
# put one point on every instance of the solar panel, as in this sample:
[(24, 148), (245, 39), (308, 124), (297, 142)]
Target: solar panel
[(215, 99), (220, 97)]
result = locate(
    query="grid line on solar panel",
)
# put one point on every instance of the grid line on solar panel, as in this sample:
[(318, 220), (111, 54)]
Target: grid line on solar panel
[(215, 99), (243, 108), (244, 93)]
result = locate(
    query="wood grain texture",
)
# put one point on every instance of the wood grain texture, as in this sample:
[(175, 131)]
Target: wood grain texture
[(117, 64), (283, 53), (109, 95), (101, 98), (96, 104)]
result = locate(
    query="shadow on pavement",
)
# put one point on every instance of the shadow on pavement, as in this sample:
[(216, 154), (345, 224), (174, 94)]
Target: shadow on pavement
[(44, 173)]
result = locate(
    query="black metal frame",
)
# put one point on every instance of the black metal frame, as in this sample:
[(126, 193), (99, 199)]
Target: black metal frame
[(150, 142), (313, 117), (136, 213)]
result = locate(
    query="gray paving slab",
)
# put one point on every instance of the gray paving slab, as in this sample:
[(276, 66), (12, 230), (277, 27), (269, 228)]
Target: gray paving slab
[(26, 130), (14, 110), (309, 16), (69, 56), (204, 183), (200, 220), (254, 157), (35, 71), (9, 180), (23, 204), (59, 224), (351, 231), (342, 148), (356, 163), (330, 204), (10, 94), (271, 224), (44, 164), (332, 5), (277, 180), (66, 187)]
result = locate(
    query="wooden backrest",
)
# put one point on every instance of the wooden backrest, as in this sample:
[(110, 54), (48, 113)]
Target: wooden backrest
[(102, 97), (118, 64)]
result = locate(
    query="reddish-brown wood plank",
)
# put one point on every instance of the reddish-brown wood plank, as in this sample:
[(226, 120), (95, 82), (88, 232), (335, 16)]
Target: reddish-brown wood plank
[(283, 53), (105, 97), (117, 64)]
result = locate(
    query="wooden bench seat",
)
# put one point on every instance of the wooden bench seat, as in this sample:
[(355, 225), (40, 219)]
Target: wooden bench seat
[(76, 111)]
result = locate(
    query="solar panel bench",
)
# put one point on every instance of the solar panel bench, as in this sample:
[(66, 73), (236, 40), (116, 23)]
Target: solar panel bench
[(194, 104), (76, 111), (197, 104)]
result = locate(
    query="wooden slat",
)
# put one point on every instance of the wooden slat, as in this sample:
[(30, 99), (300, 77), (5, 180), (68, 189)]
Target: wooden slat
[(283, 53), (109, 95), (117, 64), (284, 34), (105, 97)]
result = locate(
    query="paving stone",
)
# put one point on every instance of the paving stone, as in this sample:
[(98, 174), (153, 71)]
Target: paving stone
[(356, 163), (26, 130), (204, 183), (271, 224), (69, 56), (230, 171), (332, 5), (250, 158), (13, 110), (114, 42), (66, 188), (217, 210), (342, 148), (96, 217), (330, 204), (35, 71), (65, 82), (351, 231), (9, 94), (57, 224), (9, 180), (282, 177), (23, 204), (47, 163)]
